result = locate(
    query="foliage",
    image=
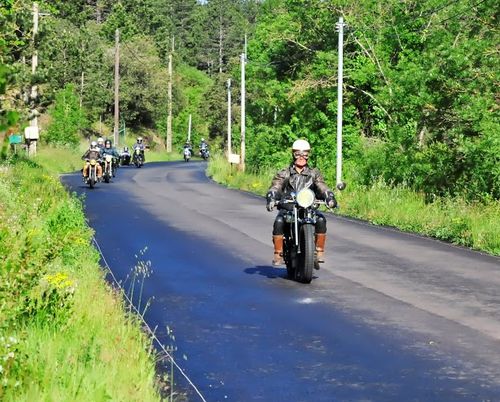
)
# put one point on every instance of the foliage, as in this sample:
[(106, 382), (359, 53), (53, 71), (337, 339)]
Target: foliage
[(473, 225), (67, 118), (56, 314), (419, 91)]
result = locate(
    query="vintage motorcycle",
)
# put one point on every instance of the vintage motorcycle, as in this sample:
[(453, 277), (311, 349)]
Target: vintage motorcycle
[(187, 154), (125, 159), (108, 168), (204, 153), (137, 158), (299, 247), (91, 178)]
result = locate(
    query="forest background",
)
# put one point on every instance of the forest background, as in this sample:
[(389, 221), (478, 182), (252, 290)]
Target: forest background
[(421, 101), (421, 142)]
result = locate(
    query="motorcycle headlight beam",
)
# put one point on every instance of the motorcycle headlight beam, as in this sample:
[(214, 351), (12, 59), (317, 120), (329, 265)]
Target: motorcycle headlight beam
[(305, 198)]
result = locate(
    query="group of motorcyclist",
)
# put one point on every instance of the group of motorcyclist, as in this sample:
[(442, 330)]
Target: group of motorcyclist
[(188, 149), (295, 177), (100, 148)]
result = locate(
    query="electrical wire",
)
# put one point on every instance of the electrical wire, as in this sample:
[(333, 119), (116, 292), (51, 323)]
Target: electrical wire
[(148, 328)]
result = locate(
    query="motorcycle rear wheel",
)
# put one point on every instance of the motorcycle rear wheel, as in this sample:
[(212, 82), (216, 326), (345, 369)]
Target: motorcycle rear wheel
[(306, 257)]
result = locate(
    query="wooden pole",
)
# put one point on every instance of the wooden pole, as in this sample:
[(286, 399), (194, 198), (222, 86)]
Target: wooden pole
[(229, 133), (117, 87), (169, 117), (243, 123)]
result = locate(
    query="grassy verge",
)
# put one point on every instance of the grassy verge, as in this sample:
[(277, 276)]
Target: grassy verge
[(60, 160), (63, 333), (471, 225)]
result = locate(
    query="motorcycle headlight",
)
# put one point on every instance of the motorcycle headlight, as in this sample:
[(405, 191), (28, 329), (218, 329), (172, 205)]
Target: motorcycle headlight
[(109, 158), (305, 198), (92, 162)]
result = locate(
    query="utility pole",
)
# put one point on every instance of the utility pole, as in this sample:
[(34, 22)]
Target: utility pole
[(169, 117), (32, 133), (189, 128), (340, 27), (229, 139), (117, 87), (81, 88), (243, 95), (245, 49)]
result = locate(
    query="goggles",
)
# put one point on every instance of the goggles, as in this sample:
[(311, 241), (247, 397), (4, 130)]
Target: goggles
[(304, 154)]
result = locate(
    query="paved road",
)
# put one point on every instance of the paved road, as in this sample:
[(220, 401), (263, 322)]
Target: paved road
[(390, 317)]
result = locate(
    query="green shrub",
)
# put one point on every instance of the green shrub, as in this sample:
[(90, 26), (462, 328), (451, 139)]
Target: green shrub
[(453, 219), (55, 305)]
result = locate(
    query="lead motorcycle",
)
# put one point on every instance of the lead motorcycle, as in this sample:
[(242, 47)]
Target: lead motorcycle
[(187, 154), (299, 247)]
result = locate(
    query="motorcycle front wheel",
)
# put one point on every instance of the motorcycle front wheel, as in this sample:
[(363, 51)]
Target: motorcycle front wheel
[(306, 256), (290, 254)]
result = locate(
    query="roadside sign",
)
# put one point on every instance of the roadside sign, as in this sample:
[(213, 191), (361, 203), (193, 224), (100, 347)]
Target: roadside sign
[(15, 139), (234, 158)]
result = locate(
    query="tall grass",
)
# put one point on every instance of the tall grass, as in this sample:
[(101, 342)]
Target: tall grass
[(64, 334), (474, 225)]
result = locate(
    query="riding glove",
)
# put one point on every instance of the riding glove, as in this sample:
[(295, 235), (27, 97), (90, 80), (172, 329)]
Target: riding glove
[(330, 200), (271, 200)]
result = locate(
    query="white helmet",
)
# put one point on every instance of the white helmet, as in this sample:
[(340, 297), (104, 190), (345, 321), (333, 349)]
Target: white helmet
[(93, 144), (139, 139), (100, 140), (301, 145)]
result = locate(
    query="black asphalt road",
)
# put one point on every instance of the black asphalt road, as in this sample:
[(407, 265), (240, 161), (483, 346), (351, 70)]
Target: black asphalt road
[(390, 316)]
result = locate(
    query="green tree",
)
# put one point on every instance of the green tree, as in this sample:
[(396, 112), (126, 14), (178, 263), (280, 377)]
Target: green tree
[(67, 118)]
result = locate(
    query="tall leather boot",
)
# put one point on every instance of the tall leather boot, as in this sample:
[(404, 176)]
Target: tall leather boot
[(320, 246), (278, 250)]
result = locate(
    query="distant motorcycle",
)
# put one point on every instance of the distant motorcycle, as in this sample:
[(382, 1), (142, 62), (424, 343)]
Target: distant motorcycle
[(108, 169), (91, 178), (138, 158), (125, 159), (299, 248), (187, 154), (204, 153)]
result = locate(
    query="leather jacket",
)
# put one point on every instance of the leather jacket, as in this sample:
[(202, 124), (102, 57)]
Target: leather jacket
[(289, 180), (92, 153)]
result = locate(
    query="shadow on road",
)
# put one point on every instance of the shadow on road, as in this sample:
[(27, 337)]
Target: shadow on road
[(267, 271)]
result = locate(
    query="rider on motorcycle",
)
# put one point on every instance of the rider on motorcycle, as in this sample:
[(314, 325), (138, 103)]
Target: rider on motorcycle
[(125, 155), (293, 179), (100, 143), (92, 153), (109, 149), (203, 146), (139, 144)]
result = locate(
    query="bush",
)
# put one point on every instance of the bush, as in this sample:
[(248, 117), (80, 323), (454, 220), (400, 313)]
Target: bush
[(67, 119)]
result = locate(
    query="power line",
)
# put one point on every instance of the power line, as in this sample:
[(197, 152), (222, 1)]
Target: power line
[(132, 52), (146, 326), (423, 26), (460, 14)]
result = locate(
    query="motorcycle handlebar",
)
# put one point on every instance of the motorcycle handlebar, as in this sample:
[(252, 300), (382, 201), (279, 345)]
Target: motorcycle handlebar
[(316, 203)]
